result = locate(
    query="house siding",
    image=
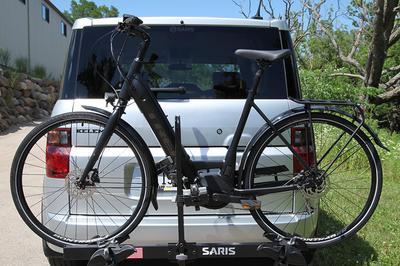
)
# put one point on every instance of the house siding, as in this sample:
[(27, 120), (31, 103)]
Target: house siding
[(43, 44)]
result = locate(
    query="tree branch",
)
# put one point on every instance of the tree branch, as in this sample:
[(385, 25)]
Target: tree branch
[(347, 59), (241, 9), (393, 81), (392, 69), (394, 37), (347, 75), (385, 97), (362, 23), (269, 10)]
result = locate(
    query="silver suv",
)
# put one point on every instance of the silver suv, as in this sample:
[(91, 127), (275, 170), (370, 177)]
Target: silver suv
[(197, 54)]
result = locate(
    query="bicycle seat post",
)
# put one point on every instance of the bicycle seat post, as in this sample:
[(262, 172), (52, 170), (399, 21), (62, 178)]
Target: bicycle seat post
[(230, 158)]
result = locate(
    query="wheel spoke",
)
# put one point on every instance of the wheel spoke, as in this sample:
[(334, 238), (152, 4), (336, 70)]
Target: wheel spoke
[(62, 210), (334, 197)]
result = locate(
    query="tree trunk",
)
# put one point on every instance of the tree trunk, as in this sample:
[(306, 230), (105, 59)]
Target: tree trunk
[(383, 24), (377, 52)]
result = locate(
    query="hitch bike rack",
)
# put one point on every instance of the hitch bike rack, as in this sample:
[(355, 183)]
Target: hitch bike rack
[(283, 251)]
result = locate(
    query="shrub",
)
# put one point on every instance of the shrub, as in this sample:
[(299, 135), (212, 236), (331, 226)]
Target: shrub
[(4, 57), (21, 64), (13, 77), (319, 84), (39, 71)]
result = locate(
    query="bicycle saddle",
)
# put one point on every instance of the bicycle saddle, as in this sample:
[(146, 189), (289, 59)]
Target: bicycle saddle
[(270, 56)]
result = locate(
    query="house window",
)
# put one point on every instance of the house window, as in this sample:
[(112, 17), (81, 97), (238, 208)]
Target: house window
[(63, 28), (45, 13), (23, 1)]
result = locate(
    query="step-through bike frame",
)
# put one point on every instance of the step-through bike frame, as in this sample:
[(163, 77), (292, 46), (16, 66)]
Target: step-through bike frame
[(134, 87)]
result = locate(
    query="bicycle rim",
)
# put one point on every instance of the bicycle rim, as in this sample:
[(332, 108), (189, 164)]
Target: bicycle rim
[(47, 166), (341, 197)]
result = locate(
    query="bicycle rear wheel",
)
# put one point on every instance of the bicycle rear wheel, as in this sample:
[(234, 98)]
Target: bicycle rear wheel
[(51, 159), (332, 200)]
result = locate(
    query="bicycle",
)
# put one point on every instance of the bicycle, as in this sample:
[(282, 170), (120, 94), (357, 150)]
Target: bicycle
[(330, 149)]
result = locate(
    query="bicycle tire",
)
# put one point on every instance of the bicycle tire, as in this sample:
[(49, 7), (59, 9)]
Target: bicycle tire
[(116, 203), (325, 228)]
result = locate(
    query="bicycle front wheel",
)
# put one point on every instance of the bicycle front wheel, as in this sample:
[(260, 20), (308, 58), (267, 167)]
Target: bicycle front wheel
[(334, 194), (48, 164)]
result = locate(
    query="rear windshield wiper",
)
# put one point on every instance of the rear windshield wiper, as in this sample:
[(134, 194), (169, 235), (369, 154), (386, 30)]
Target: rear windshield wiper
[(180, 90)]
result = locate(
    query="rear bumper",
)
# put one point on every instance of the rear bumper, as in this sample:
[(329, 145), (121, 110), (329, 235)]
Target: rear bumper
[(159, 231)]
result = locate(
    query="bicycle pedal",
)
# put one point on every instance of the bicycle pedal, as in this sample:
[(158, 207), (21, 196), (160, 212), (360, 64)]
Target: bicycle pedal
[(250, 204)]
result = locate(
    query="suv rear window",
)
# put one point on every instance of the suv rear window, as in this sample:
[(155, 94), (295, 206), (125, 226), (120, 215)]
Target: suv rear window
[(199, 58)]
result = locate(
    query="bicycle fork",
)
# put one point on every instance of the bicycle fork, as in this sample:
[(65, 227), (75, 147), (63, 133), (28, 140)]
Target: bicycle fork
[(102, 142)]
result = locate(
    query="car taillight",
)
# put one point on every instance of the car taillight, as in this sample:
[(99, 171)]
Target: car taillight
[(300, 139), (58, 149)]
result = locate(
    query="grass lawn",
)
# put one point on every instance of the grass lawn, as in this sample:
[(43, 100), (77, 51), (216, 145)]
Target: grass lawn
[(378, 243)]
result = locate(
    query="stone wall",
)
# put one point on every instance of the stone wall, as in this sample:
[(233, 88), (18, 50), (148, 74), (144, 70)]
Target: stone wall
[(24, 99)]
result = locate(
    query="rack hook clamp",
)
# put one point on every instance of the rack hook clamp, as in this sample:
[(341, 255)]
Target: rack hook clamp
[(111, 255), (285, 251)]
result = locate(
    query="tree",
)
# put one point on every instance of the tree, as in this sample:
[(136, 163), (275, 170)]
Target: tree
[(375, 27), (299, 22), (386, 33), (85, 8), (365, 48)]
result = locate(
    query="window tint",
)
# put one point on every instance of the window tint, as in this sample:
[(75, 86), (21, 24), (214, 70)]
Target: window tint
[(67, 90), (292, 74), (45, 13), (199, 58)]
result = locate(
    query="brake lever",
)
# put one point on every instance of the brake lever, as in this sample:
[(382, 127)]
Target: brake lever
[(130, 29)]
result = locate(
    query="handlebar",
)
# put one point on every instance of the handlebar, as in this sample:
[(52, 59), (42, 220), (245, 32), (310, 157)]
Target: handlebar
[(133, 26), (133, 20)]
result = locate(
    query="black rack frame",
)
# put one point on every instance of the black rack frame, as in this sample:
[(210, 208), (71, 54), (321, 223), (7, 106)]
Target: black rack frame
[(283, 251)]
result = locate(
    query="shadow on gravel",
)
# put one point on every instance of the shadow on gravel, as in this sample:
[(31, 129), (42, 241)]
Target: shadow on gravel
[(15, 128)]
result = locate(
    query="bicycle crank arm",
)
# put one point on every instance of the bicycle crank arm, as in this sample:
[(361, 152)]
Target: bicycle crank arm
[(247, 203)]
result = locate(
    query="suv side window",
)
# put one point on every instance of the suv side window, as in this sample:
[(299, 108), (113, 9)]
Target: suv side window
[(199, 58)]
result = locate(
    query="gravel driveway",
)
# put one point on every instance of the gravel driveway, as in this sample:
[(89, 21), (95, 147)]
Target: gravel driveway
[(21, 246)]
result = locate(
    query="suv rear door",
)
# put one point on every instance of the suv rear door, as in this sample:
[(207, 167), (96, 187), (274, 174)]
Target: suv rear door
[(201, 60)]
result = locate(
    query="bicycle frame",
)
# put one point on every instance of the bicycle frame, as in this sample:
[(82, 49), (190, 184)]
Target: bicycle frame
[(134, 87)]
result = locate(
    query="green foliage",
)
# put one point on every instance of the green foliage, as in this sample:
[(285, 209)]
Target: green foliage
[(319, 84), (377, 244), (85, 8), (13, 78), (4, 57), (21, 64), (39, 71)]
